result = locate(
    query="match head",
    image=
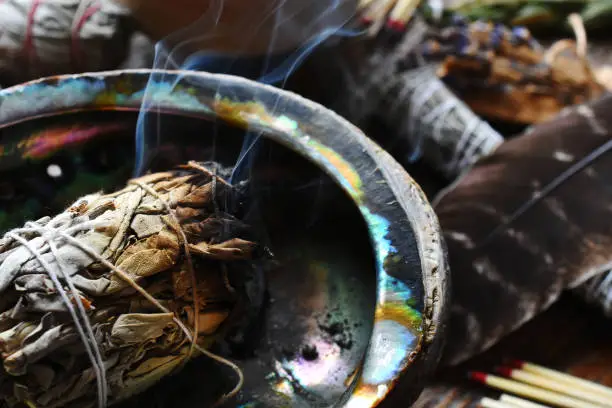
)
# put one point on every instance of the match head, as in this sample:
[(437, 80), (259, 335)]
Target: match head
[(518, 364), (366, 20), (504, 371), (396, 25), (478, 376)]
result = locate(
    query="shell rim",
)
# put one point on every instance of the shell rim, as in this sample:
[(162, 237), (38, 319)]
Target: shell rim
[(316, 145)]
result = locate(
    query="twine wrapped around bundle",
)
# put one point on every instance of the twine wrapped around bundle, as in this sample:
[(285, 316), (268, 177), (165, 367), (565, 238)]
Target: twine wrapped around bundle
[(380, 79), (99, 299), (439, 125), (42, 38)]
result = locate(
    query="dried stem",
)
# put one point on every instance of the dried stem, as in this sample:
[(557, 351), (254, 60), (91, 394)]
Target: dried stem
[(144, 238)]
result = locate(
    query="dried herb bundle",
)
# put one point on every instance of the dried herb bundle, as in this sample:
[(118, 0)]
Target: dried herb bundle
[(53, 37), (109, 283), (505, 74)]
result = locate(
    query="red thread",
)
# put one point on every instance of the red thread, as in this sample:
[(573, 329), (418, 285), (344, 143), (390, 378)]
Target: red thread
[(75, 50), (28, 41)]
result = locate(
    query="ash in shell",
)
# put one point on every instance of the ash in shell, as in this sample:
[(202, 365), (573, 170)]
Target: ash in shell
[(98, 302)]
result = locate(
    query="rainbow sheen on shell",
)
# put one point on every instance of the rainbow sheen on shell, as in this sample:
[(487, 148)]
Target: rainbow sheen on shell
[(401, 340)]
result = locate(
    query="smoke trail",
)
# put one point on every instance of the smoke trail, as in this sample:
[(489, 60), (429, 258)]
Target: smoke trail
[(279, 76), (333, 20), (275, 40)]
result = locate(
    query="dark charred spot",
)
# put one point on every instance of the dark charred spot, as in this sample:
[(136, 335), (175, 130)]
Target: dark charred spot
[(340, 333), (310, 353), (287, 354)]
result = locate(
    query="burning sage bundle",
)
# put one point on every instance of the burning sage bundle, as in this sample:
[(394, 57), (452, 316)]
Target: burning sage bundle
[(98, 303)]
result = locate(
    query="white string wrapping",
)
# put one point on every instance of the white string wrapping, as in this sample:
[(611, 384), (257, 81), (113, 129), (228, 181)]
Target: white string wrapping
[(598, 290), (441, 128), (61, 230), (52, 233), (49, 233)]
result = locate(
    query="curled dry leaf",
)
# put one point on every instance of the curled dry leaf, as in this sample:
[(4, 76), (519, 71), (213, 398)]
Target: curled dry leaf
[(43, 356)]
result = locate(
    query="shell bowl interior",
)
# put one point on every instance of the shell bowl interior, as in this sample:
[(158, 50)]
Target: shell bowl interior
[(349, 305)]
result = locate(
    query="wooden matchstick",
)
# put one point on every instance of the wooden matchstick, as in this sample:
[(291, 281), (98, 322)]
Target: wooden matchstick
[(531, 392), (491, 403), (375, 15), (363, 4), (401, 14), (554, 385), (519, 402), (563, 377)]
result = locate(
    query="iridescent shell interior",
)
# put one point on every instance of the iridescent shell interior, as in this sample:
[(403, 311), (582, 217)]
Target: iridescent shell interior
[(349, 305)]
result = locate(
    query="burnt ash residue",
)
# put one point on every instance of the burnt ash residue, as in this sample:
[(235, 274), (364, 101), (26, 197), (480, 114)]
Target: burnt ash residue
[(340, 331), (310, 353), (287, 353)]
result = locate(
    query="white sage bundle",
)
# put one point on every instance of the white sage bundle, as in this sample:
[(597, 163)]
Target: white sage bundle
[(62, 36), (439, 126), (97, 303), (384, 80)]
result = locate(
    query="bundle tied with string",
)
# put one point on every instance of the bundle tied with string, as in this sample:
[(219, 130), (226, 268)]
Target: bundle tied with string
[(98, 302), (440, 127), (43, 38), (382, 81), (504, 74)]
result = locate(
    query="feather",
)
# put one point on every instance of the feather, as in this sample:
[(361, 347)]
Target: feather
[(525, 223)]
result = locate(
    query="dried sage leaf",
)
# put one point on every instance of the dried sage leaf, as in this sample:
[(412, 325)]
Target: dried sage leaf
[(90, 250)]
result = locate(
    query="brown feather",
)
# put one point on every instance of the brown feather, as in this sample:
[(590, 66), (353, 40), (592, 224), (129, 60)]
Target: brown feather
[(527, 222)]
